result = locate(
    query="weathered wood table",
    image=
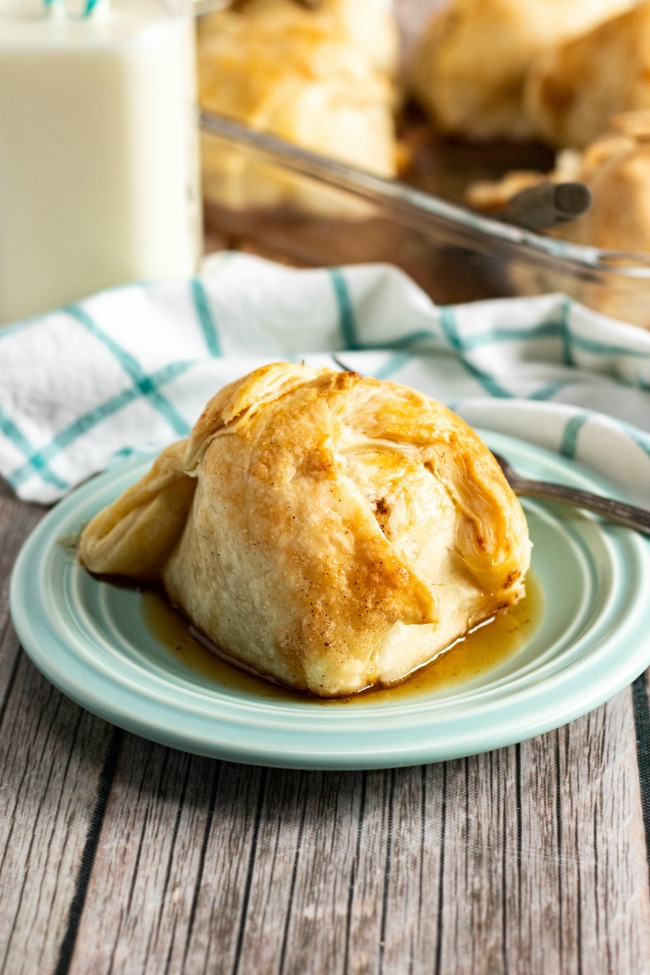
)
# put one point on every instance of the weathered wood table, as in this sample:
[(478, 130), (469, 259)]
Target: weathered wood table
[(118, 855)]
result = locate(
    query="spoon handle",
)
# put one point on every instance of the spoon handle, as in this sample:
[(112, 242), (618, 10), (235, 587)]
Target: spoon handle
[(626, 514)]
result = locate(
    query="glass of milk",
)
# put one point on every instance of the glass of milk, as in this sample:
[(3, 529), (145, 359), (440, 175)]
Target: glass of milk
[(99, 180)]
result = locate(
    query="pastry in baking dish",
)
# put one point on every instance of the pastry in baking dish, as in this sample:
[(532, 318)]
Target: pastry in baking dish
[(574, 88), (369, 26), (327, 531), (312, 77), (469, 67), (615, 167)]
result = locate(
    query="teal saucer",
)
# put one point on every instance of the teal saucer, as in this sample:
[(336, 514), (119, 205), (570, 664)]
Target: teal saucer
[(92, 640)]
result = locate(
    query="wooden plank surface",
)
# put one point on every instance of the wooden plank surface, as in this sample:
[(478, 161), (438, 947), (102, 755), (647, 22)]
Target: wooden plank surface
[(122, 856)]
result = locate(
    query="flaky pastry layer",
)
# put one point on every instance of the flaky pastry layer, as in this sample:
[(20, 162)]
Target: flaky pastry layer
[(329, 531), (472, 59)]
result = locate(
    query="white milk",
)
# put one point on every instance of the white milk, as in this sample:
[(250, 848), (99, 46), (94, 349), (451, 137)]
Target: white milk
[(98, 151)]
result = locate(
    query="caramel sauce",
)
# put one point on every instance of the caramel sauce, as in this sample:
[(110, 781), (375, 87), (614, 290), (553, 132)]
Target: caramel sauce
[(484, 649)]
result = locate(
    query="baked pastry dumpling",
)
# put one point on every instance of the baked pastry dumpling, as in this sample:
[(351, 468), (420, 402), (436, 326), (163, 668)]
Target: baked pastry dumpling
[(369, 26), (328, 531), (616, 169), (311, 77), (574, 88), (469, 67)]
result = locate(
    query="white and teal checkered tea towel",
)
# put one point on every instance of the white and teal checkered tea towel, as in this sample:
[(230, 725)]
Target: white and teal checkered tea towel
[(131, 369)]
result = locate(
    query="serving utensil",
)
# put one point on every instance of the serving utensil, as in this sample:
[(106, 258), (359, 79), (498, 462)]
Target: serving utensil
[(618, 511), (547, 205)]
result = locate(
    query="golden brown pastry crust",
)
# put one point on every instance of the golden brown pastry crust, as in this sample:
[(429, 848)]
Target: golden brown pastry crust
[(573, 89), (337, 532), (313, 78), (469, 68), (368, 26), (615, 167)]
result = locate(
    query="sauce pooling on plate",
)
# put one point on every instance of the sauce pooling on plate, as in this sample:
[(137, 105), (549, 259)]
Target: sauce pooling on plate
[(486, 648)]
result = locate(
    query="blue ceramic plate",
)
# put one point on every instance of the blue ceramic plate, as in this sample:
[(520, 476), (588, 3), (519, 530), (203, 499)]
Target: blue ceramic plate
[(95, 642)]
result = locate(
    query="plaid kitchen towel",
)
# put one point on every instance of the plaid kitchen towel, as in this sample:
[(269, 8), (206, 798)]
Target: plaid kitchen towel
[(130, 369)]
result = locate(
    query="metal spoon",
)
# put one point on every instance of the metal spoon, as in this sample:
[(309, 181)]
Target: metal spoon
[(547, 205), (626, 514)]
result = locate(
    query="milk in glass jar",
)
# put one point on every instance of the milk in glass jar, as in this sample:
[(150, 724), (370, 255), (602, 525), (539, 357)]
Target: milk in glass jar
[(98, 148)]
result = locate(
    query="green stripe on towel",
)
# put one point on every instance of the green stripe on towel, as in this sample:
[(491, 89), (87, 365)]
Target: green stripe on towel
[(347, 323), (38, 460), (35, 462), (205, 317), (145, 384), (569, 443)]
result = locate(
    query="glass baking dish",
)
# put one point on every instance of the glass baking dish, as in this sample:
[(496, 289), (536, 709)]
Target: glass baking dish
[(268, 196)]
